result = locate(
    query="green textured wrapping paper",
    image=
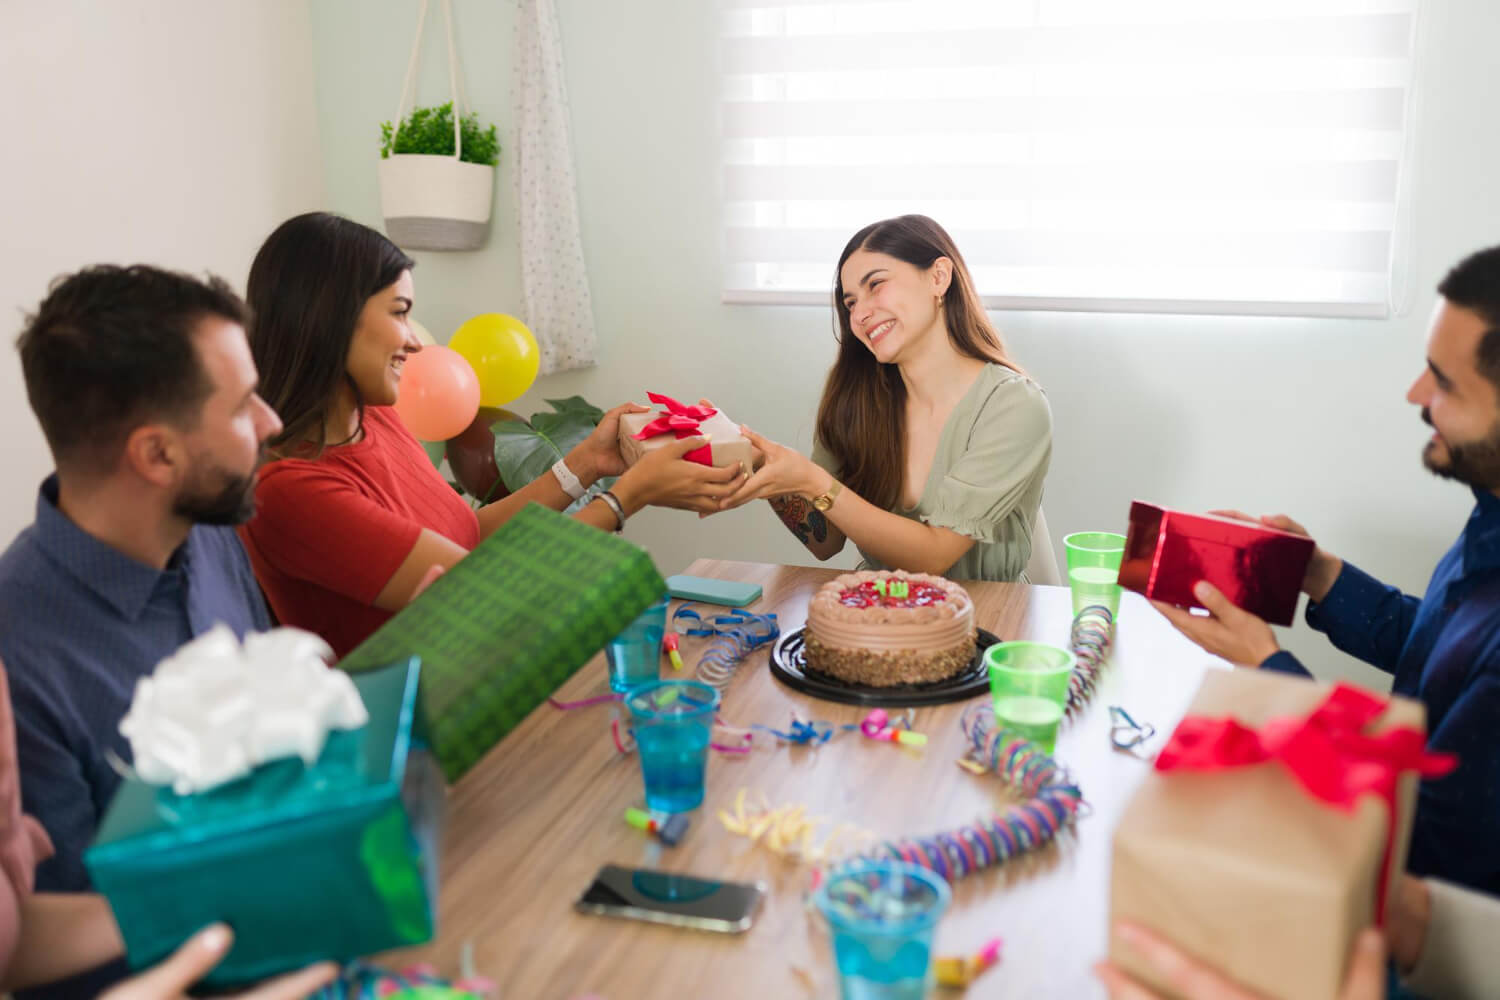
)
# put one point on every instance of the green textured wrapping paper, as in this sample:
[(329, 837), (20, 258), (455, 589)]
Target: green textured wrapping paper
[(333, 861), (503, 628)]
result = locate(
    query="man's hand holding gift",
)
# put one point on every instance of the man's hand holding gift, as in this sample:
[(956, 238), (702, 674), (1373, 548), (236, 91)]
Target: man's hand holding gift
[(1322, 569), (1230, 632), (1226, 631)]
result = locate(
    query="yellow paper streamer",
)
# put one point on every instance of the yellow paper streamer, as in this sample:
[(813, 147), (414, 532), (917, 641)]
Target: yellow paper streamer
[(788, 830)]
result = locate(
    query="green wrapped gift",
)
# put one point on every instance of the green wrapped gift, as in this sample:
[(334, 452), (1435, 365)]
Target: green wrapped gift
[(503, 628), (335, 860)]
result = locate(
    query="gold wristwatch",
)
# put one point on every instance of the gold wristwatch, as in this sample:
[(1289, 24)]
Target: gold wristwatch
[(825, 499)]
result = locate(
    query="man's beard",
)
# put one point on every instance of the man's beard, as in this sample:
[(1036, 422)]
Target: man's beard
[(1476, 462), (217, 496)]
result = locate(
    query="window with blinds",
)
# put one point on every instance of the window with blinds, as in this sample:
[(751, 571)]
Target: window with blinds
[(1210, 156)]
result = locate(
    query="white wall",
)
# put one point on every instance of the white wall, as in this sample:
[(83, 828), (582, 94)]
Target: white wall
[(172, 132), (1302, 416)]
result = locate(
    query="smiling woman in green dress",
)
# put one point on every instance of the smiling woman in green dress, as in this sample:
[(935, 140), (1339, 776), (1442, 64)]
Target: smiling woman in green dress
[(931, 444)]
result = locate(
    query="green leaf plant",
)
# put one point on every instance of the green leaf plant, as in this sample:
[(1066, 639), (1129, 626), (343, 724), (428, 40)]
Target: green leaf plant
[(430, 131), (526, 449)]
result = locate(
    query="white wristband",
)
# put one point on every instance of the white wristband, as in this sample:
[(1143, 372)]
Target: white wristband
[(565, 478)]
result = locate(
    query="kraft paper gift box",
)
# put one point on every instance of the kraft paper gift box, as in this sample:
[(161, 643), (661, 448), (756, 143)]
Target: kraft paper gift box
[(1244, 867), (329, 861), (1258, 568), (643, 432), (505, 626)]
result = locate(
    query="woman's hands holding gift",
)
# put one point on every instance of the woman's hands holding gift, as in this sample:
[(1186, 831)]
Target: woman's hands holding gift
[(1190, 978), (203, 951), (779, 471), (598, 455), (663, 479)]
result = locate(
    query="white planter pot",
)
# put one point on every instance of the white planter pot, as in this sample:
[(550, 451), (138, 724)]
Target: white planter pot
[(436, 202)]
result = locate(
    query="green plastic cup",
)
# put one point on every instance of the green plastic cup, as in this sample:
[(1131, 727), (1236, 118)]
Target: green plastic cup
[(1029, 686), (1094, 569)]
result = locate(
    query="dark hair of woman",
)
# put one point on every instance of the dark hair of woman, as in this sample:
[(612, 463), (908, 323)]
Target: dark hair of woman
[(862, 417), (308, 284)]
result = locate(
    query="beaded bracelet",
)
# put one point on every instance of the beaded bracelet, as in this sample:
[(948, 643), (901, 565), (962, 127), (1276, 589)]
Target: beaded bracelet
[(613, 503)]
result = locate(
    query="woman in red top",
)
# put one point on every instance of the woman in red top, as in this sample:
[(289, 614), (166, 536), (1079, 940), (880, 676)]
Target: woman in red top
[(351, 517)]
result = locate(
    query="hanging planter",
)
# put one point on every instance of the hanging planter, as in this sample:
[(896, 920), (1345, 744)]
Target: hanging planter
[(437, 167)]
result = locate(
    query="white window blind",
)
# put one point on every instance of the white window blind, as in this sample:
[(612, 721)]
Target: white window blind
[(1214, 156)]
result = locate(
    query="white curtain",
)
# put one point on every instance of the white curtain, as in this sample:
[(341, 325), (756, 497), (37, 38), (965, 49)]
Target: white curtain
[(554, 278), (1239, 156)]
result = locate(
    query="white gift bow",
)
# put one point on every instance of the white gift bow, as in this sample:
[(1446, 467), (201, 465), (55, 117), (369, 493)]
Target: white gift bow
[(214, 710)]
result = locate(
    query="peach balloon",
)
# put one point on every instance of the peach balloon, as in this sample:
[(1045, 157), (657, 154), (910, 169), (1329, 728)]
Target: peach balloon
[(439, 394)]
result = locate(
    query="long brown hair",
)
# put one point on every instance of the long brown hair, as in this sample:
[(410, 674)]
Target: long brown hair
[(308, 284), (862, 417)]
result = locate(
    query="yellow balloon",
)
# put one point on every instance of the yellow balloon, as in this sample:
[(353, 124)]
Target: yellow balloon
[(421, 332), (504, 355)]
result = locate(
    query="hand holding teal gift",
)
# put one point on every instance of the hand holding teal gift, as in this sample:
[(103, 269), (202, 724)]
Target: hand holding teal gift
[(331, 859), (190, 963)]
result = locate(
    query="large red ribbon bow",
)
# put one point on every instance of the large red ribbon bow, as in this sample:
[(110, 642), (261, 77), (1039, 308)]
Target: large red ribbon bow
[(1327, 752), (681, 422)]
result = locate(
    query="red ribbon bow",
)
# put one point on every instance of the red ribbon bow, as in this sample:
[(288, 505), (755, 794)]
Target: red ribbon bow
[(680, 421), (1327, 752)]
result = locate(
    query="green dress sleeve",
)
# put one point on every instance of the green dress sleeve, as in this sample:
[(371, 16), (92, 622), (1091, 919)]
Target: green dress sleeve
[(822, 458), (996, 461)]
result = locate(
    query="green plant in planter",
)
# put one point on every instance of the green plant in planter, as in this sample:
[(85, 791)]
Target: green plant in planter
[(430, 131), (526, 449)]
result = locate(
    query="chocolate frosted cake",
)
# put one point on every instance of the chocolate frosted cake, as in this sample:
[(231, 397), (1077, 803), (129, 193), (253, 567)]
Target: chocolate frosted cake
[(891, 627)]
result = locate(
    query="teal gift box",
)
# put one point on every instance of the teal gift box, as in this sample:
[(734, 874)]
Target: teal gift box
[(331, 861)]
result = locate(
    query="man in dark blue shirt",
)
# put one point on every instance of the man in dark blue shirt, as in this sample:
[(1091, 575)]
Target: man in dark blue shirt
[(1445, 648), (143, 383)]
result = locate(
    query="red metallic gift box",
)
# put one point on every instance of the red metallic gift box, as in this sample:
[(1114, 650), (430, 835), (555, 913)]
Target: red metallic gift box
[(1260, 569)]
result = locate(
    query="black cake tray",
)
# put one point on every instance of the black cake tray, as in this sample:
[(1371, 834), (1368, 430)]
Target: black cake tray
[(789, 666)]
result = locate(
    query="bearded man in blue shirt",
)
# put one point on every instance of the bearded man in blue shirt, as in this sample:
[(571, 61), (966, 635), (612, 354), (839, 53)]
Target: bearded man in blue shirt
[(145, 388), (1443, 649)]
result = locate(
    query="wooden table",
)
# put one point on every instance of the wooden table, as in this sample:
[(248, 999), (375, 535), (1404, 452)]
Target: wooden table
[(531, 823)]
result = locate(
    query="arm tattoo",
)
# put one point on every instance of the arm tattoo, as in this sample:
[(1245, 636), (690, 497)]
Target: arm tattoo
[(801, 517)]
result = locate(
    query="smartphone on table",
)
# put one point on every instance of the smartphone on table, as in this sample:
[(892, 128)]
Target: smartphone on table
[(672, 898)]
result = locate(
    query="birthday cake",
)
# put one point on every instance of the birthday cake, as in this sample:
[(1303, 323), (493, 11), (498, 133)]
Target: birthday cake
[(887, 628)]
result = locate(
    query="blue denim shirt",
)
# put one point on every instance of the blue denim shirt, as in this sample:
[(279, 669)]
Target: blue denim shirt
[(1444, 650), (80, 622)]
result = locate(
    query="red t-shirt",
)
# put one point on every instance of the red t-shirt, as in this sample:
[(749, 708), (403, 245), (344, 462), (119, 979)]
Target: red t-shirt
[(328, 534)]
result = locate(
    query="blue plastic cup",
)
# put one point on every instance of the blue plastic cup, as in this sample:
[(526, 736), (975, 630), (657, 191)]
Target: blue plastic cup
[(882, 915), (635, 654), (672, 721)]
